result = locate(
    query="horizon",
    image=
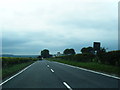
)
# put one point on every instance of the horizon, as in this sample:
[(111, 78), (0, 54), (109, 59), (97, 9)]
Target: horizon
[(50, 53)]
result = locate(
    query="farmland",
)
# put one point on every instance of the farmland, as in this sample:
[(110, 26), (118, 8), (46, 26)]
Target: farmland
[(108, 62), (11, 65)]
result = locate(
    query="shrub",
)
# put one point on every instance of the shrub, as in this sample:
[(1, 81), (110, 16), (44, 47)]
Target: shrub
[(7, 61), (112, 58), (79, 57)]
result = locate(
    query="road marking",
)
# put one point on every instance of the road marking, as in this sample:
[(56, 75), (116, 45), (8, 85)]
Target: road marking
[(51, 70), (90, 70), (48, 66), (16, 74), (67, 85)]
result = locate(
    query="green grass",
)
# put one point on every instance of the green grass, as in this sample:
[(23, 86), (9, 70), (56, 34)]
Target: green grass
[(8, 61), (10, 70), (109, 69), (11, 65)]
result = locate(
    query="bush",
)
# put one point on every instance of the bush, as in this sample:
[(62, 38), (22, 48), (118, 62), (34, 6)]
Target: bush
[(112, 58), (84, 57), (7, 61), (78, 57)]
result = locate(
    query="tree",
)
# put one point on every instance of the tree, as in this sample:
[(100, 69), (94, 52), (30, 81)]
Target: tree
[(83, 50), (66, 51), (39, 57), (69, 52), (87, 50), (45, 53), (102, 50), (72, 51)]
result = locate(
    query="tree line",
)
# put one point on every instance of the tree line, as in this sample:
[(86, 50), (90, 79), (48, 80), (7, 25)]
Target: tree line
[(88, 55), (46, 53), (90, 50)]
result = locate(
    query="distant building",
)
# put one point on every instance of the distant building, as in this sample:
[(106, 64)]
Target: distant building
[(96, 47), (59, 54)]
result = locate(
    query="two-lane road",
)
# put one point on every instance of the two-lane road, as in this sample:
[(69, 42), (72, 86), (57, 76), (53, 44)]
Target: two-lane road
[(47, 74)]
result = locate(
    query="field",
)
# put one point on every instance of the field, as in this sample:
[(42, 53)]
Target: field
[(11, 65), (107, 62), (109, 69)]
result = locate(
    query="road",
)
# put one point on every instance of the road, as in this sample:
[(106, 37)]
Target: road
[(49, 74)]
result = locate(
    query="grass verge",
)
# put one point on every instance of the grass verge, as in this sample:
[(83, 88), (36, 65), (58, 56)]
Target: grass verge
[(109, 69), (10, 70)]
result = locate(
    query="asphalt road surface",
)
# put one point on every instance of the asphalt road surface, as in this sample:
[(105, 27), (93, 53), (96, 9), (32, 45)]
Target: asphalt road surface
[(49, 74)]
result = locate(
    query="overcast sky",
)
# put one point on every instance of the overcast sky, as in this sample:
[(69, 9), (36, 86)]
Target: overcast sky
[(29, 26)]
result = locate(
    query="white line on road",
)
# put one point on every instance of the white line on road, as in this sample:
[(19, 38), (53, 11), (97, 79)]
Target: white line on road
[(48, 66), (16, 74), (67, 85), (51, 70), (90, 70)]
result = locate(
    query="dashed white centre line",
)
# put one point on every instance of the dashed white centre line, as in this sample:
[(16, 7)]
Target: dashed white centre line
[(67, 85), (48, 66), (51, 70)]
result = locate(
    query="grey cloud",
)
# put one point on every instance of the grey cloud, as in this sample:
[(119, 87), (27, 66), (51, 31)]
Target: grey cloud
[(55, 26), (7, 42), (88, 24), (33, 42)]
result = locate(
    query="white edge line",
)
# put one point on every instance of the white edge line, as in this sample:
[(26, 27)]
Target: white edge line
[(51, 70), (16, 74), (90, 70), (67, 85)]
